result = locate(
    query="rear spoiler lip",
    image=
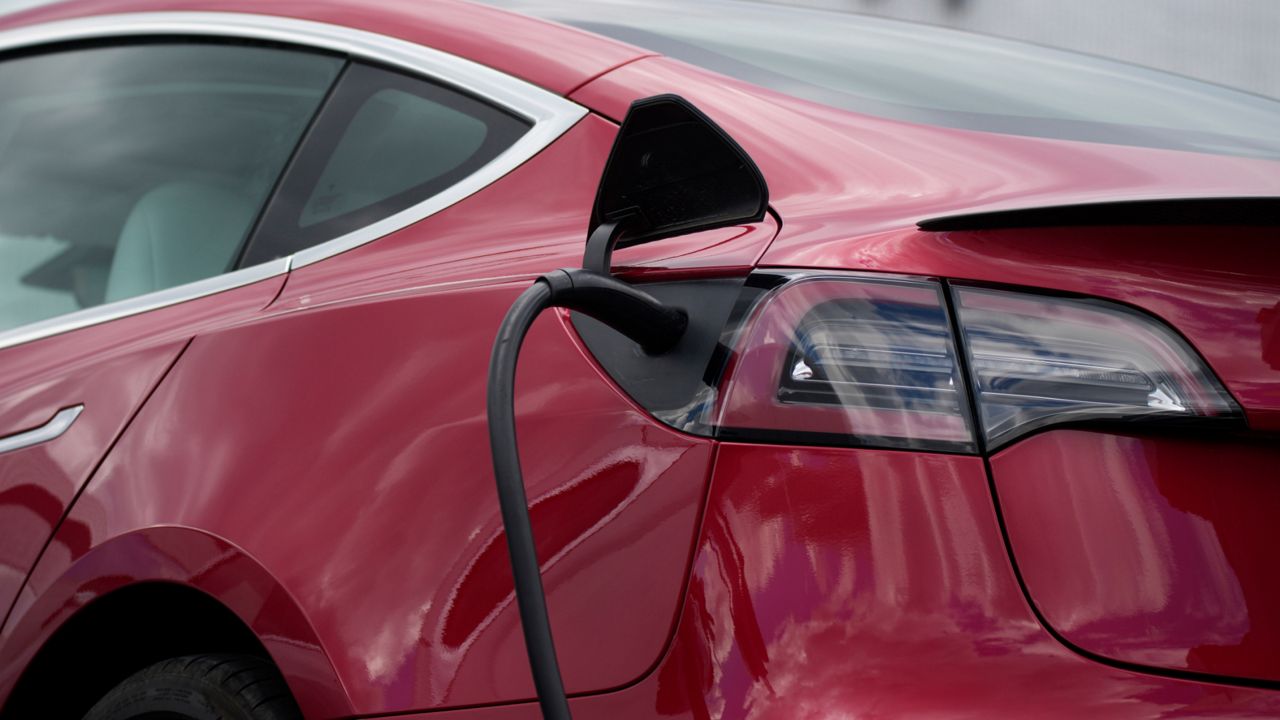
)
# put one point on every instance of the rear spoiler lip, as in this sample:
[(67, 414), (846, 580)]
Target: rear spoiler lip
[(1260, 211)]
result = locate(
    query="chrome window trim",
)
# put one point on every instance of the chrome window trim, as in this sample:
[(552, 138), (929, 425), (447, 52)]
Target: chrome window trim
[(550, 114), (57, 425), (142, 303)]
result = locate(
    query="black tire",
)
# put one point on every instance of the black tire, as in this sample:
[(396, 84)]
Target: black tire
[(201, 687)]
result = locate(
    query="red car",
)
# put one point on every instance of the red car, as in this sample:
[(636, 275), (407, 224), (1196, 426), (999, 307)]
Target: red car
[(980, 419)]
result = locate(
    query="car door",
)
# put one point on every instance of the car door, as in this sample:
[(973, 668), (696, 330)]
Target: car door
[(130, 176)]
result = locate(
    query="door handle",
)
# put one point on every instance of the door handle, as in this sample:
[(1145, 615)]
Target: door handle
[(57, 425)]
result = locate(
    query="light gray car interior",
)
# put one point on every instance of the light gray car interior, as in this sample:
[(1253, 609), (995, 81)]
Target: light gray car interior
[(178, 233)]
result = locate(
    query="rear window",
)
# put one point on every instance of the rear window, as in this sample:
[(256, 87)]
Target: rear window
[(384, 142), (936, 76)]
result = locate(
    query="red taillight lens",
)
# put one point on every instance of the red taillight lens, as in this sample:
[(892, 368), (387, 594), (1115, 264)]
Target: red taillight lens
[(846, 359), (1046, 360), (872, 360)]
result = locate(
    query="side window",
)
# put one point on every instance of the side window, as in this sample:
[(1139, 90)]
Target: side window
[(132, 168), (384, 142)]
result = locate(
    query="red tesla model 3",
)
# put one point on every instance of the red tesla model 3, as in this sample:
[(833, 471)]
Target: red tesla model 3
[(982, 419)]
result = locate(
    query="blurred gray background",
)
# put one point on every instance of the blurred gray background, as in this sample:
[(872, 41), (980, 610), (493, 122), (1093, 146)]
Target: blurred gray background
[(1230, 42)]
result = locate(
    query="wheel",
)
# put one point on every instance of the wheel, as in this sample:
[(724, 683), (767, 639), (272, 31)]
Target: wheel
[(201, 687)]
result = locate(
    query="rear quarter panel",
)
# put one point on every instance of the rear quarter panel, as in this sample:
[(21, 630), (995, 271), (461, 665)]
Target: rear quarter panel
[(111, 369)]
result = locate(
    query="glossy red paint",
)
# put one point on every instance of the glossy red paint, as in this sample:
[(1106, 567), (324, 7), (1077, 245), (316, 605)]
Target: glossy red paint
[(556, 57), (38, 483), (352, 460), (192, 558), (109, 369), (835, 176), (872, 583), (1147, 549)]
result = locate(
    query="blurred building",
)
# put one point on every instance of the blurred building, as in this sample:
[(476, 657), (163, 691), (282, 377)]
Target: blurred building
[(1231, 42)]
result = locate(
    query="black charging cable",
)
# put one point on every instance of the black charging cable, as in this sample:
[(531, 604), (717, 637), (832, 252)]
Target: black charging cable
[(632, 312)]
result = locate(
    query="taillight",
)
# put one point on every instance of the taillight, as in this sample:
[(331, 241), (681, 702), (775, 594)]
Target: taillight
[(847, 360), (1046, 360), (872, 360)]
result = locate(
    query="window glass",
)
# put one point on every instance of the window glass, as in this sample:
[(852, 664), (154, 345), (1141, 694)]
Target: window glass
[(130, 169), (385, 142), (933, 75), (381, 154)]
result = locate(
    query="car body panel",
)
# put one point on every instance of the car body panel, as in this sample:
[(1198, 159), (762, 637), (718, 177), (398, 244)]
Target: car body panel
[(194, 559), (1148, 549), (552, 56), (835, 175), (38, 483), (109, 369), (371, 501), (872, 583)]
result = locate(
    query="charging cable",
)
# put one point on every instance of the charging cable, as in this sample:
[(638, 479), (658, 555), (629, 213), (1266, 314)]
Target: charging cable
[(632, 312)]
